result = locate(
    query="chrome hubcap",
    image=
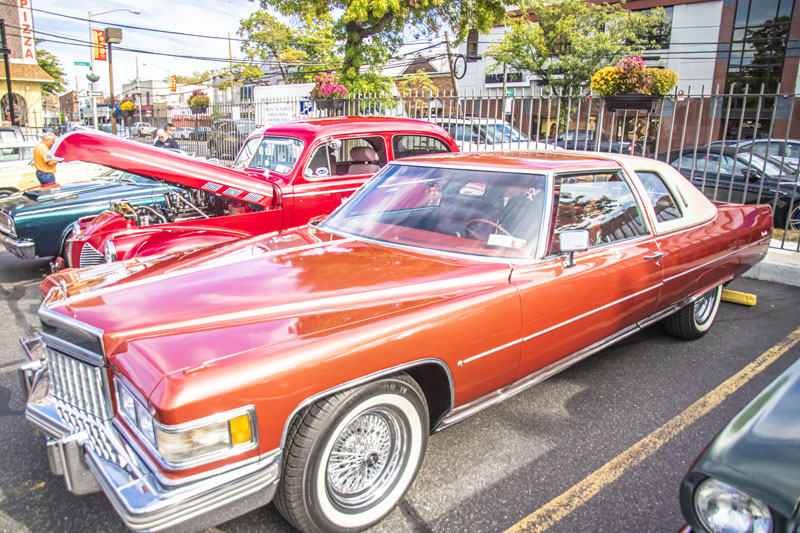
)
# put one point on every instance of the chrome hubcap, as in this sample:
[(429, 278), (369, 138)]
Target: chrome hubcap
[(704, 306), (366, 458)]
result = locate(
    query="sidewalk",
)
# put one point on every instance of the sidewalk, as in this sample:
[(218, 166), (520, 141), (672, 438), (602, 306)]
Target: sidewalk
[(780, 266)]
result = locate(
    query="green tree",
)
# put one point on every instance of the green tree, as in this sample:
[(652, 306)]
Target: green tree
[(196, 78), (52, 66), (571, 39), (300, 52), (370, 31), (240, 72)]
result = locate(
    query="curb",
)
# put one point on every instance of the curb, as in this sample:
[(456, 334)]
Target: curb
[(780, 266)]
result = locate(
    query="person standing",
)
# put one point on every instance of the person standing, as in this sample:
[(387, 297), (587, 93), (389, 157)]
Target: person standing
[(45, 165), (165, 140)]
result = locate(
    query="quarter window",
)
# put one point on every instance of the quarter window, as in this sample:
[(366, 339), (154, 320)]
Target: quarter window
[(408, 145), (661, 198), (602, 204)]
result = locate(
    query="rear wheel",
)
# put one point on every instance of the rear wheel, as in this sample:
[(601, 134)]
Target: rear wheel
[(351, 457), (693, 320), (794, 218)]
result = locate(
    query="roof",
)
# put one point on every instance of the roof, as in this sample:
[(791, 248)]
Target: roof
[(341, 125), (521, 160), (23, 71)]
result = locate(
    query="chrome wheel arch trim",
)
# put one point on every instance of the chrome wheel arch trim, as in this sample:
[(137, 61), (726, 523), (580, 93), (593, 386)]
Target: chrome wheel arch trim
[(367, 379)]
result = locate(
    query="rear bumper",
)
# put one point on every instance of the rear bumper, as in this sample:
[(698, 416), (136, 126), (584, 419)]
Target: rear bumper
[(93, 455), (24, 248)]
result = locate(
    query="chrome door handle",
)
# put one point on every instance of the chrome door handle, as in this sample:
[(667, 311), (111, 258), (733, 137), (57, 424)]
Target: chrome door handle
[(657, 255)]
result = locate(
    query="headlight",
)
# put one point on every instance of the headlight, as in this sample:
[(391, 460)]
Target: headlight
[(110, 251), (193, 443), (724, 509)]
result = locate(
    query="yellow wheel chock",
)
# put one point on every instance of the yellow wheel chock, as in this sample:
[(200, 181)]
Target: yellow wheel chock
[(736, 297)]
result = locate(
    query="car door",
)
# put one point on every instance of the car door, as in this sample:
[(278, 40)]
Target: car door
[(330, 174), (612, 285)]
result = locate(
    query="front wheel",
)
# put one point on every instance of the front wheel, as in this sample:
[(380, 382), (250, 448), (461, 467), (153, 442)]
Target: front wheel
[(351, 457), (692, 321)]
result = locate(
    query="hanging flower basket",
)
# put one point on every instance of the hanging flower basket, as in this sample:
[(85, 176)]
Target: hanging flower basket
[(198, 109), (335, 104), (127, 113), (639, 102)]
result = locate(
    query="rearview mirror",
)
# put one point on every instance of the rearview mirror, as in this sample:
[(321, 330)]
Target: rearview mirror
[(571, 241)]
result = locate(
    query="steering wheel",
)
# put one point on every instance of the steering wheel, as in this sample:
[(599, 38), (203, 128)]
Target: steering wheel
[(473, 234)]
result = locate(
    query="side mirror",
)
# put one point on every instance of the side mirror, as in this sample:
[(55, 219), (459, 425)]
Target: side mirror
[(571, 241)]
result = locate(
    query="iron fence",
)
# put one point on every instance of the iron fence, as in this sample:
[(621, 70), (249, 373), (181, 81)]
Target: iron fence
[(734, 146)]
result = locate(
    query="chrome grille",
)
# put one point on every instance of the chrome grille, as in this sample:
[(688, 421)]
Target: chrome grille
[(78, 384), (90, 256), (98, 432)]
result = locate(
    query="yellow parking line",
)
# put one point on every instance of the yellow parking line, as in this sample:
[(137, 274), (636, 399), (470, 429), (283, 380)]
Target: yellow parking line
[(561, 506)]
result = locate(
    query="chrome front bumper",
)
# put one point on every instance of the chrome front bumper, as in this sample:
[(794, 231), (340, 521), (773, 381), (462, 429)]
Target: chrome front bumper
[(94, 456), (23, 249)]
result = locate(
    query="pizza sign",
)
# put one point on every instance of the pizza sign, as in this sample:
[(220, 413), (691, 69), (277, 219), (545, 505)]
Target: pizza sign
[(26, 31)]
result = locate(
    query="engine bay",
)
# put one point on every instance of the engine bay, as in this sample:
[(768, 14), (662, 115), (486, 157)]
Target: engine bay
[(183, 204)]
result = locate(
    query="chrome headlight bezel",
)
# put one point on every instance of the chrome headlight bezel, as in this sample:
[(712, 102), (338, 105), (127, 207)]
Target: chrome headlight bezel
[(713, 493), (110, 251), (75, 230), (161, 440)]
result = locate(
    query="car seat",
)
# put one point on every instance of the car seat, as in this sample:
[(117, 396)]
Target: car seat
[(365, 160)]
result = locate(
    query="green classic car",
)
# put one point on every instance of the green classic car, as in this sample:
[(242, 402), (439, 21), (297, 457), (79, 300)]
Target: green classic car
[(748, 479), (38, 221)]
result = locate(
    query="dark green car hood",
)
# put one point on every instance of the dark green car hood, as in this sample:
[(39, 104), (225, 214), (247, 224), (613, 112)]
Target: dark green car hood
[(38, 198), (758, 452)]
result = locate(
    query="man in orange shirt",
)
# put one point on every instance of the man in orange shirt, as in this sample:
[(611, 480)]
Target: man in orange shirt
[(45, 168)]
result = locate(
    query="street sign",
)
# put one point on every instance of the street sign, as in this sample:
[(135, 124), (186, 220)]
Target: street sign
[(509, 92), (94, 93), (81, 63)]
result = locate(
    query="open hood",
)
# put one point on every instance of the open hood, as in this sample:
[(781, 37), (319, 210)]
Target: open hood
[(149, 161)]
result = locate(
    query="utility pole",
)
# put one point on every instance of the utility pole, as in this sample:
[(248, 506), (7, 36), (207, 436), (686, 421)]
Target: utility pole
[(5, 52), (138, 89), (111, 91), (230, 65), (450, 62)]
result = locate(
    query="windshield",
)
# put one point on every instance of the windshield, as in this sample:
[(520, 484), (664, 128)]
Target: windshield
[(275, 154), (755, 161), (112, 174), (500, 133), (475, 212)]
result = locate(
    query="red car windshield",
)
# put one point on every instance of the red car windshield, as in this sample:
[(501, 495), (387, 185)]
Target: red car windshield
[(475, 212)]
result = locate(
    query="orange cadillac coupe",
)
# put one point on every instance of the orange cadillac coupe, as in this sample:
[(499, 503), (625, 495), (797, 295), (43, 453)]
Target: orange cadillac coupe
[(308, 367)]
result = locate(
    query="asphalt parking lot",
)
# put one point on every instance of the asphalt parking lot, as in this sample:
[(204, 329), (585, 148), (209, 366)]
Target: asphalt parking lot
[(600, 447)]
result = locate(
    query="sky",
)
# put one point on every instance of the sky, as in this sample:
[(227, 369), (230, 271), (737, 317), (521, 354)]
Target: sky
[(202, 17)]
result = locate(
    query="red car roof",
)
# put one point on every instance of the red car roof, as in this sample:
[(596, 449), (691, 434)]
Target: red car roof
[(313, 128)]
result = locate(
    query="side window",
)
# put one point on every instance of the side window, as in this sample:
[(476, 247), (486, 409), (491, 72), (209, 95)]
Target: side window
[(793, 150), (408, 145), (661, 198), (352, 155), (601, 203), (761, 149), (9, 154)]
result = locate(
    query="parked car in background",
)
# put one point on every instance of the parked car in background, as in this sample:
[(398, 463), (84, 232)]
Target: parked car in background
[(18, 178), (729, 174), (748, 478), (283, 176), (13, 134), (478, 134), (16, 153), (140, 129), (200, 133), (227, 136), (38, 221), (183, 133), (122, 130), (309, 366), (587, 140)]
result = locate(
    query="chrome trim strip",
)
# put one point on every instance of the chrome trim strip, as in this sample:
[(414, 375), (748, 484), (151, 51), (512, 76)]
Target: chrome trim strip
[(365, 379), (318, 193), (676, 276), (593, 311), (540, 375), (489, 352), (515, 170)]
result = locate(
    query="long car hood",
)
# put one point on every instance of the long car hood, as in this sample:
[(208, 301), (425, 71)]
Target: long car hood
[(759, 450), (146, 160), (73, 193), (261, 291)]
